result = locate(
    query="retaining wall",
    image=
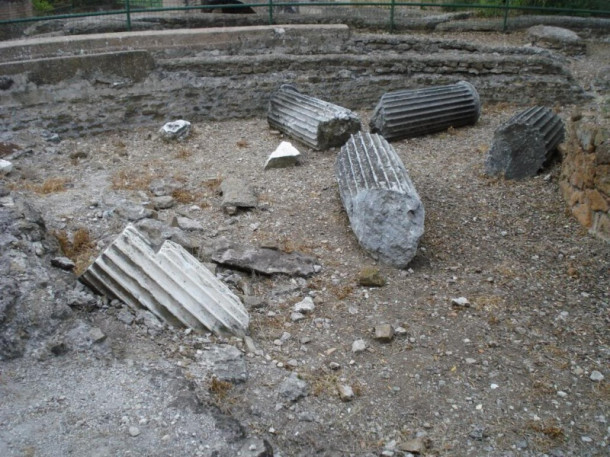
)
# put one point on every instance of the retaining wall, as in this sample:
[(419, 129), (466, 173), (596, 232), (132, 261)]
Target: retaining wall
[(102, 82)]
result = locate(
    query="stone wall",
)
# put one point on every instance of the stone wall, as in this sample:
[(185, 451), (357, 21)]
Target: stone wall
[(585, 174), (230, 73)]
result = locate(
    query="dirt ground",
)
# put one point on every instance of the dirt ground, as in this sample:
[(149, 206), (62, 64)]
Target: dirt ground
[(517, 373)]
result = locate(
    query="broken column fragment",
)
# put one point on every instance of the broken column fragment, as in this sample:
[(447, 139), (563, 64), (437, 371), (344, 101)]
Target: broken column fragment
[(523, 144), (410, 113), (314, 122), (171, 283), (381, 202)]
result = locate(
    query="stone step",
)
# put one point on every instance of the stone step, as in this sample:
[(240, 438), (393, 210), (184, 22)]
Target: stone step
[(522, 145), (409, 113), (171, 283), (314, 122), (383, 207)]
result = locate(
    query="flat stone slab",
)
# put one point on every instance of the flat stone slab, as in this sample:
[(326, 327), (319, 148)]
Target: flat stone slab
[(238, 194), (557, 38), (266, 261)]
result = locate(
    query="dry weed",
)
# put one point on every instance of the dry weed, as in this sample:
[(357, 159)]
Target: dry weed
[(80, 249), (220, 388), (184, 153), (132, 180)]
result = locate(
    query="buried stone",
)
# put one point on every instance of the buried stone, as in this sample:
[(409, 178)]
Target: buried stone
[(312, 121), (525, 143), (382, 205), (416, 112)]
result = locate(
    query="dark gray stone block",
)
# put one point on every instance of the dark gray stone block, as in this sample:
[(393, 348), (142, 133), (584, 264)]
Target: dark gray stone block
[(523, 144)]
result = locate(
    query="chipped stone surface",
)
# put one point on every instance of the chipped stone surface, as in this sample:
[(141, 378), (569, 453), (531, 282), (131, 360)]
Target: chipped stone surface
[(523, 144), (383, 207), (286, 155)]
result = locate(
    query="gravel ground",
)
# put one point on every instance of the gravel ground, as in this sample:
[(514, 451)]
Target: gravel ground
[(523, 370)]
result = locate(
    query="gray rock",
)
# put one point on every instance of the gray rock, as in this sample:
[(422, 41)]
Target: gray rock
[(460, 302), (255, 447), (358, 346), (292, 388), (384, 333), (312, 121), (286, 155), (596, 376), (5, 167), (226, 362), (186, 223), (346, 393), (305, 306), (175, 131), (63, 262), (557, 38), (134, 212), (266, 261), (238, 194), (134, 431), (163, 202), (296, 317), (523, 144), (382, 205), (126, 317)]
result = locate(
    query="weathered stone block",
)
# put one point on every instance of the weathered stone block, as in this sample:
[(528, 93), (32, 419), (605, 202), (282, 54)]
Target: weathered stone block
[(597, 201), (582, 212), (383, 207), (409, 113), (312, 121), (523, 144)]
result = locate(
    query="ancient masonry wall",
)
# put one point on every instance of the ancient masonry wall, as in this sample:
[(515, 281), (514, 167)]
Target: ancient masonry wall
[(102, 82), (585, 175)]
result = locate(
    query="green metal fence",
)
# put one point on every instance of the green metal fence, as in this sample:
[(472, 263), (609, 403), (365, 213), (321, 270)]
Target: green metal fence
[(124, 11)]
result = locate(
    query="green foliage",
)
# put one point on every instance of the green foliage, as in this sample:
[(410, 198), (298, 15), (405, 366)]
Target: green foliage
[(42, 7), (571, 4)]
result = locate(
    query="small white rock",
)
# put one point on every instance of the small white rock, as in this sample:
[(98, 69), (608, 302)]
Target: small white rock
[(596, 376), (5, 167), (305, 306), (134, 431), (461, 302), (358, 346), (284, 156), (296, 317)]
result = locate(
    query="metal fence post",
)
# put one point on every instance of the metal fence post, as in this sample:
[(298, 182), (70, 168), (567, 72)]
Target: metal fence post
[(392, 16), (270, 12), (506, 10), (128, 11)]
